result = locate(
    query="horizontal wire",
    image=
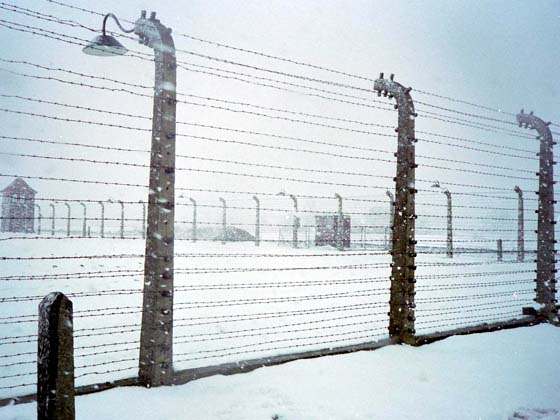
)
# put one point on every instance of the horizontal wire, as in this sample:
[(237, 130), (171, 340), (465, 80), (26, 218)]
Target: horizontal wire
[(346, 334), (292, 346), (375, 133), (300, 63), (317, 67), (464, 139), (75, 144), (437, 287), (454, 298), (324, 327), (276, 314), (230, 62), (241, 302), (468, 306), (105, 372), (183, 65), (428, 322)]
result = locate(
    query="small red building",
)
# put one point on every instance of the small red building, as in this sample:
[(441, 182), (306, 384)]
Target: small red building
[(18, 207)]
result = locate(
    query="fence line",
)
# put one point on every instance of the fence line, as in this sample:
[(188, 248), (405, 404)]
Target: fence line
[(319, 281)]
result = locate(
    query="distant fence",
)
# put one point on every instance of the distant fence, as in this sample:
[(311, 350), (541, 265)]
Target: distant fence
[(214, 265)]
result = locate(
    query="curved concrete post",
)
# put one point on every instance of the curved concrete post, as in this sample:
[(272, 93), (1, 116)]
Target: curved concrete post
[(53, 218), (102, 227), (156, 335), (402, 302), (84, 225), (68, 218), (546, 263)]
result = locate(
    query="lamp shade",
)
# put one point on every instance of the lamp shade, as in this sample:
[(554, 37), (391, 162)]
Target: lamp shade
[(104, 45)]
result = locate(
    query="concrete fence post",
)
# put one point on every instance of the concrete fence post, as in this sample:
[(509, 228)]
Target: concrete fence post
[(39, 218), (68, 218), (363, 236), (295, 218), (449, 224), (339, 233), (224, 220), (122, 218), (55, 359), (500, 248), (156, 334), (546, 252), (401, 314), (389, 241), (143, 219), (53, 218), (102, 227), (84, 225), (193, 219), (258, 221), (520, 226)]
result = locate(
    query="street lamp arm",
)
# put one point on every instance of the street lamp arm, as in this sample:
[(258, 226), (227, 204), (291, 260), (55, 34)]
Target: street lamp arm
[(107, 16)]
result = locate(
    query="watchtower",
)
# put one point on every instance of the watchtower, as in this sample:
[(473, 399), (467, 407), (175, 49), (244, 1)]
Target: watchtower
[(18, 207)]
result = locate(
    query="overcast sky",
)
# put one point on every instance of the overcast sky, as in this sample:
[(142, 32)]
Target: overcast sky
[(502, 54)]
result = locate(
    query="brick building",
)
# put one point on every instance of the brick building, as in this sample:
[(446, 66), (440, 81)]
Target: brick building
[(18, 207), (326, 229)]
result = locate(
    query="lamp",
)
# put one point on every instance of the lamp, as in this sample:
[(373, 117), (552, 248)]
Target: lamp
[(106, 45)]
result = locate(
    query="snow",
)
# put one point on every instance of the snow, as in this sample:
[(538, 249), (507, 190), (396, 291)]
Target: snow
[(229, 309), (504, 375)]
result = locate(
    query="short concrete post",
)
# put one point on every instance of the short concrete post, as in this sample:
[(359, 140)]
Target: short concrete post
[(500, 250), (55, 359)]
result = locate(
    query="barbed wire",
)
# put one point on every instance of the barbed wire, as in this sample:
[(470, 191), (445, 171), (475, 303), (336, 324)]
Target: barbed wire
[(331, 338), (361, 131), (228, 336), (330, 70), (75, 144), (253, 76)]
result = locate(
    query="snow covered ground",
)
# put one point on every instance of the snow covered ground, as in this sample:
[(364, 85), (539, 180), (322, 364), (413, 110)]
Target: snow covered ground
[(504, 375), (234, 302)]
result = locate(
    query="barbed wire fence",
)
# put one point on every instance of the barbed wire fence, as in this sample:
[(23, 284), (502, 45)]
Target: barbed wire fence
[(293, 236)]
